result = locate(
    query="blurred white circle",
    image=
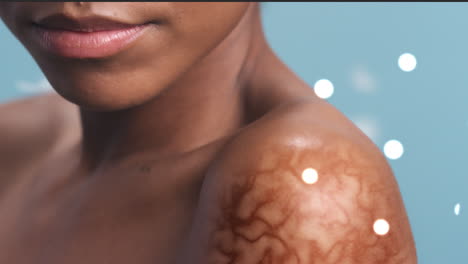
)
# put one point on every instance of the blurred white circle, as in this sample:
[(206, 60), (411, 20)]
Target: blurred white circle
[(456, 209), (310, 176), (323, 88), (381, 227), (393, 149), (407, 62)]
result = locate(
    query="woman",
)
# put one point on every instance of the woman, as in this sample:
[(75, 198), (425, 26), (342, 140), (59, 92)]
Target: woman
[(178, 136)]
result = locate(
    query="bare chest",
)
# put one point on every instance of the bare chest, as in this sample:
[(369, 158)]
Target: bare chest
[(144, 220)]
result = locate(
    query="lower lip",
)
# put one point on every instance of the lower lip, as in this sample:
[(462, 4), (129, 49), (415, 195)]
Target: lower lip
[(98, 44)]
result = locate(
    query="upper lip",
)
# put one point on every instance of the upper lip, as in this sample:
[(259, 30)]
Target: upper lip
[(84, 24)]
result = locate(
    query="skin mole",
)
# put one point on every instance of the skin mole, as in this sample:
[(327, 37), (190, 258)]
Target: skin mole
[(145, 168)]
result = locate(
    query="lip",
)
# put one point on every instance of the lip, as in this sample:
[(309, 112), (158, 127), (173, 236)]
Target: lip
[(90, 23), (86, 37)]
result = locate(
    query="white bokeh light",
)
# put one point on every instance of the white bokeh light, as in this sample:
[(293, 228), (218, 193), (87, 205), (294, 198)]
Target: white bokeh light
[(381, 227), (324, 88), (393, 149), (456, 209), (310, 176), (407, 62)]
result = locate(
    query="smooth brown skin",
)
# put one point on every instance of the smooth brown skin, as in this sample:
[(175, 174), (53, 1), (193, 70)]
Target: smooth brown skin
[(187, 148)]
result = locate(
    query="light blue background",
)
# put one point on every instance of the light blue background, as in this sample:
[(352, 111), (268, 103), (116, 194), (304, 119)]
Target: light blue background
[(356, 46)]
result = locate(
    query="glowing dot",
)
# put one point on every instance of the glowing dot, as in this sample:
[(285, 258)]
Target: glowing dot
[(310, 176), (393, 149), (381, 227), (407, 62), (323, 88), (457, 209)]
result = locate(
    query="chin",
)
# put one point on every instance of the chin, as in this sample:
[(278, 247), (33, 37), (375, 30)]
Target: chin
[(106, 99)]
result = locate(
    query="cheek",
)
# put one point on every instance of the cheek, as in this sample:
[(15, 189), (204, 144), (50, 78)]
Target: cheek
[(6, 14), (16, 15), (4, 7), (206, 24)]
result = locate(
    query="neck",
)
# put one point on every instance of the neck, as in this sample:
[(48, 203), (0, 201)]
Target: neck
[(191, 113)]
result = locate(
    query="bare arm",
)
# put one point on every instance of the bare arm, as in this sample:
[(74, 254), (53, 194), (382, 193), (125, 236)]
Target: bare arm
[(267, 212)]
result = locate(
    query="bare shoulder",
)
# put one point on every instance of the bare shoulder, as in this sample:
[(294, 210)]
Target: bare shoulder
[(305, 186), (27, 111), (29, 126)]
